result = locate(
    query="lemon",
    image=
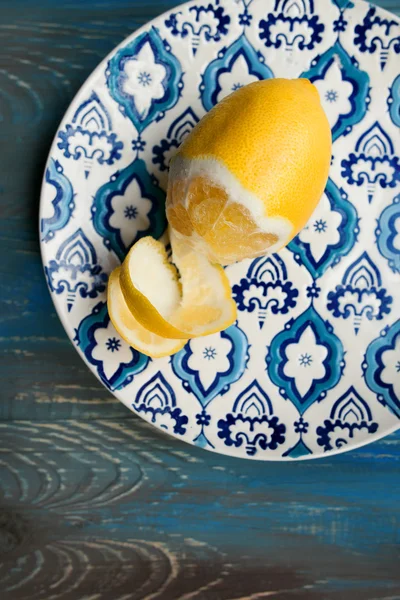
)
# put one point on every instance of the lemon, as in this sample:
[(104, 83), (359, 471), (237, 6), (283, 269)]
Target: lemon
[(251, 172), (130, 329), (189, 298)]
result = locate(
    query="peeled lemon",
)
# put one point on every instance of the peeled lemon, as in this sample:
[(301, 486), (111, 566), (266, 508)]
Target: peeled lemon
[(130, 329), (186, 299), (249, 175)]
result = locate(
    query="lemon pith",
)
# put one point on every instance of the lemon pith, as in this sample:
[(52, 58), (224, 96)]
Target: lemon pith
[(198, 304), (151, 287), (130, 329)]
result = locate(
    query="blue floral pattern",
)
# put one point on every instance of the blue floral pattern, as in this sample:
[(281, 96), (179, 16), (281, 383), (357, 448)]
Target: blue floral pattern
[(229, 356), (378, 34), (350, 421), (145, 79), (373, 162), (75, 270), (177, 131), (305, 360), (63, 204), (265, 289), (207, 22), (235, 66), (292, 26), (95, 337), (394, 101), (89, 136), (360, 295), (343, 88), (121, 215), (382, 367), (388, 234), (312, 365), (156, 402), (329, 235), (251, 423)]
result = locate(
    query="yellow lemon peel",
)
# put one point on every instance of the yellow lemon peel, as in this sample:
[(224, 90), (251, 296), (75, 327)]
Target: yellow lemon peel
[(188, 300), (130, 329)]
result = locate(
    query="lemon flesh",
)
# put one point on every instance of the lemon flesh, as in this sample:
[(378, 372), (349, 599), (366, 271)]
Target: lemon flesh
[(190, 299), (130, 329)]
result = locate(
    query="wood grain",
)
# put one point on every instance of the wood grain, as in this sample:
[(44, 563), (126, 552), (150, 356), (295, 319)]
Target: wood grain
[(111, 509), (94, 503)]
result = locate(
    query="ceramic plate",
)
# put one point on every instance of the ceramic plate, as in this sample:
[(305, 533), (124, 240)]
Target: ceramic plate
[(312, 365)]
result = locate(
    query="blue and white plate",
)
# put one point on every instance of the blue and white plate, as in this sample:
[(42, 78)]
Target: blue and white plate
[(312, 365)]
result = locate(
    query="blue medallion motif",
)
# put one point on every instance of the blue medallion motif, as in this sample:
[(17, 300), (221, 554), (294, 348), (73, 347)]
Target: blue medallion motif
[(75, 270), (377, 33), (350, 418), (121, 218), (388, 234), (234, 67), (178, 130), (336, 66), (305, 360), (252, 422), (360, 294), (394, 101), (265, 289), (116, 363), (63, 202), (382, 367), (373, 162), (90, 135), (209, 22), (145, 79), (156, 402), (292, 25), (208, 366), (329, 235)]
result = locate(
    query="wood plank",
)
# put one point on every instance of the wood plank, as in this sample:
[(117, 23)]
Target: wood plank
[(114, 510)]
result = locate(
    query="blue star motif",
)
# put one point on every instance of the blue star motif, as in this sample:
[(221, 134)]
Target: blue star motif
[(305, 360), (144, 78), (138, 145), (339, 24), (236, 86), (131, 212), (313, 290), (320, 226), (331, 96), (209, 353), (113, 344), (398, 366), (203, 418), (245, 19), (301, 426)]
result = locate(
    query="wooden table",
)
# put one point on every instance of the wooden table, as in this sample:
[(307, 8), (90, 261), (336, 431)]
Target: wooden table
[(94, 503)]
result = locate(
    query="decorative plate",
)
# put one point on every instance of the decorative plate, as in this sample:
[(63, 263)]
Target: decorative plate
[(312, 365)]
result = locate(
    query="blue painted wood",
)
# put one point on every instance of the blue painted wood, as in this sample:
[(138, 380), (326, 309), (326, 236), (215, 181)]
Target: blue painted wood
[(94, 503)]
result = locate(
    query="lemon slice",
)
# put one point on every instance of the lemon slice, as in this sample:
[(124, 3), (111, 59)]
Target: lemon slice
[(130, 329), (190, 300)]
